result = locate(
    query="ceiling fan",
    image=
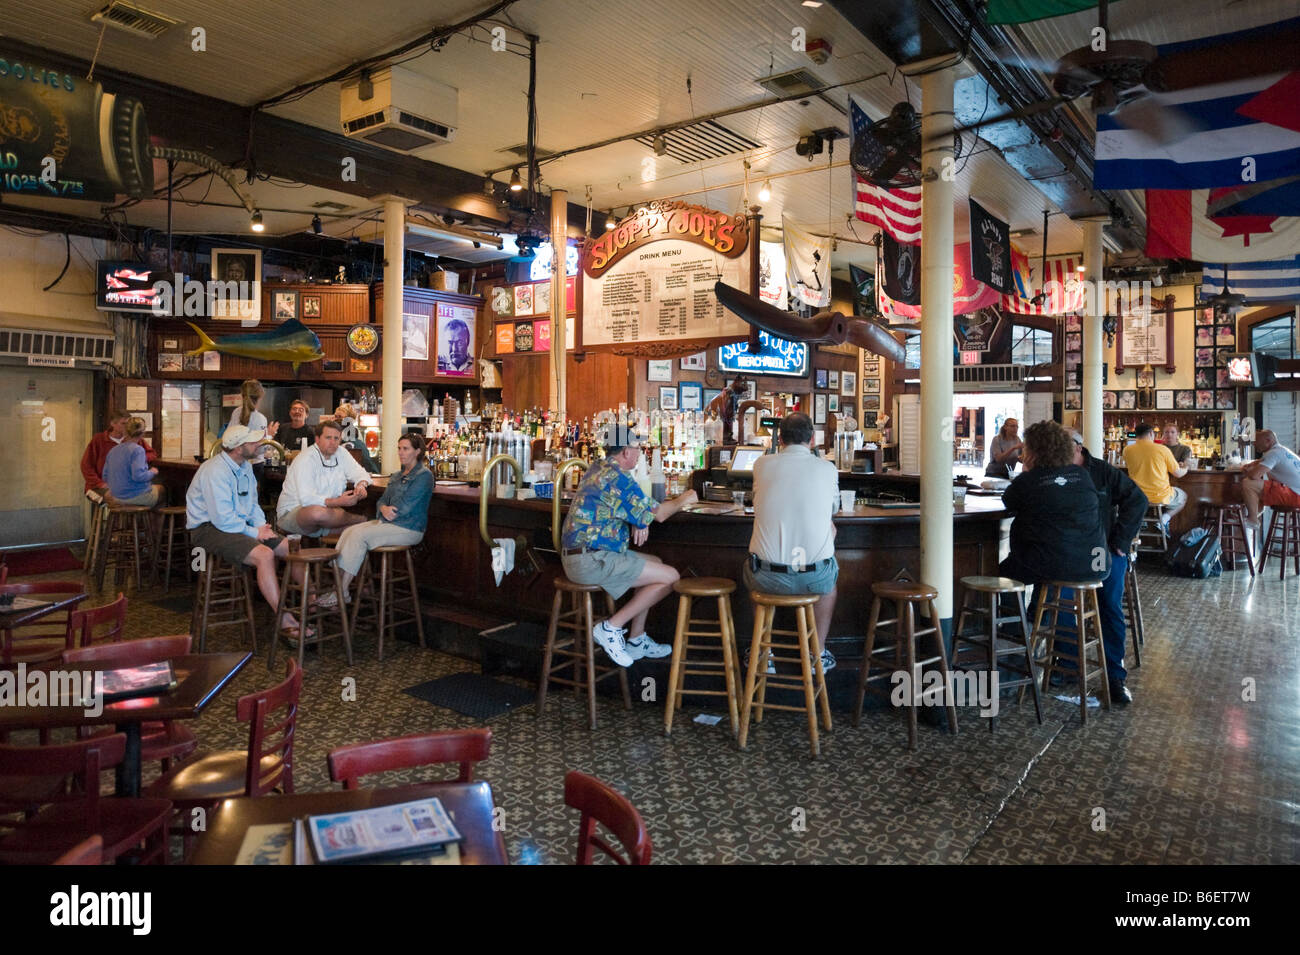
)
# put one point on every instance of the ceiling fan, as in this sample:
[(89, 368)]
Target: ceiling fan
[(888, 152), (825, 328), (1223, 300)]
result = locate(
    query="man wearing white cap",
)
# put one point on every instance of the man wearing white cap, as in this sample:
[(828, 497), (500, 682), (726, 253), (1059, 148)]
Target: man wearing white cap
[(223, 516)]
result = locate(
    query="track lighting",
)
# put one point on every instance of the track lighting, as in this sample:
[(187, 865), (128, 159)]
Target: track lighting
[(516, 184), (315, 224)]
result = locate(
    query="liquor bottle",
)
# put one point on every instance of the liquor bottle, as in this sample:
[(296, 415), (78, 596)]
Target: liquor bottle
[(658, 482)]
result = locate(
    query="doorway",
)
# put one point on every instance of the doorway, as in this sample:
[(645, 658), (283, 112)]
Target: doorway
[(977, 417)]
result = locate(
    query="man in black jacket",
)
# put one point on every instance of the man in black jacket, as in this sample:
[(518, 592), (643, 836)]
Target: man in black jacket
[(1122, 506)]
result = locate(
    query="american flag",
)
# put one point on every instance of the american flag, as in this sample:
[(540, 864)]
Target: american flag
[(897, 211)]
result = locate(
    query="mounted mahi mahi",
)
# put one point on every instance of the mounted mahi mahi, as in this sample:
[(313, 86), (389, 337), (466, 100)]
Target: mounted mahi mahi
[(293, 342)]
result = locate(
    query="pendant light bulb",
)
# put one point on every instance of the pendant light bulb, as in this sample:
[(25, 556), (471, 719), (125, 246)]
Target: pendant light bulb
[(765, 193), (610, 221), (516, 184), (256, 222)]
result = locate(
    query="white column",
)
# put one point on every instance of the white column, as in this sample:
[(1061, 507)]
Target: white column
[(559, 312), (1093, 355), (394, 258), (936, 338)]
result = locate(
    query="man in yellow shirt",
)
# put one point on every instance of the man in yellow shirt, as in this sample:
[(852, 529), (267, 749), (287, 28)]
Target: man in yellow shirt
[(1149, 465)]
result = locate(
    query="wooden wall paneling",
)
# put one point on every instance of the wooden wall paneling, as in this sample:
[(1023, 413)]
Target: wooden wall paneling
[(599, 381)]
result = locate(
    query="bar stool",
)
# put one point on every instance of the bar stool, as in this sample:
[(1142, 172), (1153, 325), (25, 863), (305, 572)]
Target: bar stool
[(811, 679), (571, 612), (310, 613), (688, 590), (95, 539), (1227, 522), (1086, 634), (1283, 539), (993, 589), (380, 591), (165, 557), (1133, 606), (906, 595), (223, 598), (122, 542), (1152, 529)]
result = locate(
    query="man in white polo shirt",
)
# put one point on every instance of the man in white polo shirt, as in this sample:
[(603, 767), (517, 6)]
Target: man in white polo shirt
[(314, 494), (1273, 480), (792, 549)]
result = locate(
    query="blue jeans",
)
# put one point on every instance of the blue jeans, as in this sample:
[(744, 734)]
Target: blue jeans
[(1113, 631)]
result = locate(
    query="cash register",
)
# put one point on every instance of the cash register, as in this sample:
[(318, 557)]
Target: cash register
[(739, 474)]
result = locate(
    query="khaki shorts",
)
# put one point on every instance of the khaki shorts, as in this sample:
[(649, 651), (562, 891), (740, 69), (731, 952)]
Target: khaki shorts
[(148, 499), (229, 547), (288, 523), (820, 580), (612, 572)]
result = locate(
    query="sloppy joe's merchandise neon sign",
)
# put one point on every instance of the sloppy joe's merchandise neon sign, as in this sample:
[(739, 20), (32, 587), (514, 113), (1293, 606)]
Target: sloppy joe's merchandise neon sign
[(666, 219)]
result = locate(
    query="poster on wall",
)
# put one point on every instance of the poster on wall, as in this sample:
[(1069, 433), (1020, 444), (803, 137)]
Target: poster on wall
[(651, 278), (456, 340), (982, 337), (523, 300), (415, 337), (542, 298), (1144, 338)]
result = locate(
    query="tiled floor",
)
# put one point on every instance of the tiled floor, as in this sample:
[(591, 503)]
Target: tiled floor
[(1191, 773)]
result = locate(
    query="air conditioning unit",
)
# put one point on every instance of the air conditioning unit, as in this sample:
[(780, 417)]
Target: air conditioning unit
[(398, 109)]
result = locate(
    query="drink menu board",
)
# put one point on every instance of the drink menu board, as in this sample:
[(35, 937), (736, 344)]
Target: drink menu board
[(1145, 338)]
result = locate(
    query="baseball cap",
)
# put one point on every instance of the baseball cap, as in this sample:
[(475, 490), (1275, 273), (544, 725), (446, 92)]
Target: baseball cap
[(238, 434)]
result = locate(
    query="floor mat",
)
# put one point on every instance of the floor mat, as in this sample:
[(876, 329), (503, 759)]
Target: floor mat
[(45, 560), (472, 694)]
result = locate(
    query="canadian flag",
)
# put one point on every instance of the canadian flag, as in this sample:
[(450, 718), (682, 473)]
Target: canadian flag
[(1178, 228)]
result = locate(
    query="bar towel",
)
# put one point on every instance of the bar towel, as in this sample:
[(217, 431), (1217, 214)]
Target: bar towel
[(503, 557)]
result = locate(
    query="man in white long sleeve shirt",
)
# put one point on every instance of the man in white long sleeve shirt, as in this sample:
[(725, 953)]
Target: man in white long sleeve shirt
[(314, 494)]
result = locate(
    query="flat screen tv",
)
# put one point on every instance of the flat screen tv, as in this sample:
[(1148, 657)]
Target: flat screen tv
[(1252, 369), (127, 286)]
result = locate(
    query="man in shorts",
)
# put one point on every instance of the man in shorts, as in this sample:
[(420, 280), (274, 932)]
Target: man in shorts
[(1150, 465), (593, 550), (792, 547), (223, 516), (1273, 480), (315, 494)]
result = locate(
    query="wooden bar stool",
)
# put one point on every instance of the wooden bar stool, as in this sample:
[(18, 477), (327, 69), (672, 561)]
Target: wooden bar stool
[(126, 539), (95, 539), (381, 593), (811, 679), (571, 612), (1086, 633), (975, 592), (166, 556), (1227, 522), (312, 560), (688, 590), (1133, 607), (905, 595), (1283, 539), (223, 598), (1151, 532)]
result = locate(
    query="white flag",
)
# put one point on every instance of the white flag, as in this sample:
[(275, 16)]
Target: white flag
[(771, 274), (807, 265)]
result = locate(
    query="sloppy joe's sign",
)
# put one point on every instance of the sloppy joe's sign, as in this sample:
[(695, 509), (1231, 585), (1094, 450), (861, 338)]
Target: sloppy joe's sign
[(667, 219)]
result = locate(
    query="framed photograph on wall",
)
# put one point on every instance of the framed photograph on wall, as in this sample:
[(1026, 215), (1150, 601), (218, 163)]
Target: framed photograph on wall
[(1073, 400), (1128, 400), (523, 300), (1109, 400), (819, 409), (362, 366), (871, 402), (692, 395), (710, 394), (239, 297), (696, 362), (668, 397), (871, 386), (1165, 399), (415, 336), (834, 381), (1184, 399), (311, 306), (284, 305), (659, 370), (833, 403), (820, 379), (850, 383)]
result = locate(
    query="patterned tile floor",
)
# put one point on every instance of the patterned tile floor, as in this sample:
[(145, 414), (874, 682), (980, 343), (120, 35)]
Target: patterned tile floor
[(1191, 773)]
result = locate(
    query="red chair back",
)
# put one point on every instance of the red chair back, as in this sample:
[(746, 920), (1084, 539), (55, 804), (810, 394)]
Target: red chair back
[(4, 574), (90, 852), (84, 759), (46, 631), (599, 803), (467, 747), (106, 624), (130, 653), (272, 717)]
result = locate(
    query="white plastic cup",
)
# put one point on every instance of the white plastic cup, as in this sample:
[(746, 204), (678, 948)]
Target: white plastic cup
[(738, 498), (959, 495), (848, 500)]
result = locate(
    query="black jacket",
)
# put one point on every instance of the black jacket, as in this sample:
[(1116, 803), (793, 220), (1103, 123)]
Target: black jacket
[(1122, 502), (1058, 532)]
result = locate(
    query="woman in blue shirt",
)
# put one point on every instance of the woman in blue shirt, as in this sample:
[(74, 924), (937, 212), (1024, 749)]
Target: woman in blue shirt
[(127, 473), (403, 511)]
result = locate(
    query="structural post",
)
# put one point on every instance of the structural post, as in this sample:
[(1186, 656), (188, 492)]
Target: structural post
[(936, 337), (394, 284), (559, 378), (1093, 355)]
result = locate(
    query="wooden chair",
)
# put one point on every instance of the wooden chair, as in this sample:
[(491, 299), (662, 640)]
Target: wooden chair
[(349, 763), (90, 852), (599, 803), (47, 638), (128, 827), (103, 624), (160, 740)]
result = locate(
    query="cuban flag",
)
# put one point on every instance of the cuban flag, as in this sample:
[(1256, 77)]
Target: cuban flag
[(1245, 130), (1271, 280), (897, 211)]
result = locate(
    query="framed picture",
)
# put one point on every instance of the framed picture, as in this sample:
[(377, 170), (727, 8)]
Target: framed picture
[(1128, 400), (1204, 378), (868, 419), (1074, 342), (1226, 399), (311, 307), (659, 370), (1165, 400), (692, 395), (1204, 335), (523, 300), (1225, 335), (834, 383), (667, 397), (850, 383), (1109, 400), (871, 386), (833, 403), (415, 337), (751, 391), (1073, 400), (542, 298), (1205, 316), (236, 292), (505, 339), (192, 363), (284, 305), (170, 361), (363, 366), (820, 378), (1072, 323), (502, 301), (456, 346), (212, 361), (1146, 379), (819, 408), (696, 362), (871, 402), (1184, 399), (710, 394), (1204, 400), (523, 336)]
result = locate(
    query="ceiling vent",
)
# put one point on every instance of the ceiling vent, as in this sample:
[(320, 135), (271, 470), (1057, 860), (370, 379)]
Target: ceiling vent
[(133, 20), (521, 151), (62, 347), (793, 83), (699, 141), (398, 109)]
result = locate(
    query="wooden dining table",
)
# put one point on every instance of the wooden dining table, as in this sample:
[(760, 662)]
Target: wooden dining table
[(200, 677), (469, 804)]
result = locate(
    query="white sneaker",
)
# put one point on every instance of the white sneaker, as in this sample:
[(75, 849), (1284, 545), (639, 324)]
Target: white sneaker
[(611, 641), (645, 648), (771, 664)]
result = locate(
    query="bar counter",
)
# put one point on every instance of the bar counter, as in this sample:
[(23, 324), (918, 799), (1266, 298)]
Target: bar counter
[(1204, 486)]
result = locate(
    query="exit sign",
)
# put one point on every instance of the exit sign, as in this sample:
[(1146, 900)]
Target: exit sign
[(970, 357)]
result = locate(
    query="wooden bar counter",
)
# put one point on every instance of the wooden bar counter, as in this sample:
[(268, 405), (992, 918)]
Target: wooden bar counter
[(1205, 486)]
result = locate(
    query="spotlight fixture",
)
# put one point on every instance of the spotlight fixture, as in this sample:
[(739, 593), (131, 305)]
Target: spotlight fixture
[(610, 221), (256, 222), (516, 184), (315, 224), (1081, 268), (660, 145), (488, 187), (765, 193)]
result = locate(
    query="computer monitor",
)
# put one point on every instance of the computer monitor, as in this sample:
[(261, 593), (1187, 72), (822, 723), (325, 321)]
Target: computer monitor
[(742, 461)]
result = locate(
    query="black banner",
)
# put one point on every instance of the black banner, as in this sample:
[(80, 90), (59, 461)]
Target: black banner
[(864, 291), (990, 250), (902, 271), (983, 337)]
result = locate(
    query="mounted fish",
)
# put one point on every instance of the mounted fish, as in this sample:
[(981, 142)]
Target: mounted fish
[(826, 328), (293, 342)]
